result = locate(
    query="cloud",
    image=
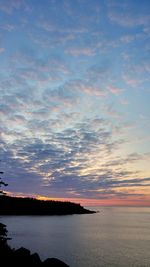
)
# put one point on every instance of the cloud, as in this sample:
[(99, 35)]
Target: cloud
[(126, 39), (112, 112), (50, 26), (2, 50), (76, 161), (89, 89), (126, 19), (9, 7), (131, 81), (114, 90), (7, 27), (85, 51), (98, 72)]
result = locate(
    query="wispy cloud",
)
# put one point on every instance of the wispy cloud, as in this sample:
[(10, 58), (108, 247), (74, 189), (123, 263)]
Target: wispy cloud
[(7, 27), (85, 51), (127, 19), (114, 90), (9, 7)]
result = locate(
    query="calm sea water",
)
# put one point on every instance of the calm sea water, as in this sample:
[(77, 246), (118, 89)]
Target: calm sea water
[(114, 237)]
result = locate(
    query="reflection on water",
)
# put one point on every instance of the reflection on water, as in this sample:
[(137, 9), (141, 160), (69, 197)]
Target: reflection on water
[(118, 237)]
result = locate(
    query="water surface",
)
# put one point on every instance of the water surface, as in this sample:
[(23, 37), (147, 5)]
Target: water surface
[(114, 237)]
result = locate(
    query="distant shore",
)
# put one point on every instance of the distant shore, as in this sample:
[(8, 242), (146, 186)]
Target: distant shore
[(30, 206)]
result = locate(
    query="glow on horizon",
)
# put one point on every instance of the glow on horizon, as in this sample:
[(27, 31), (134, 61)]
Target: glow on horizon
[(74, 100), (145, 202)]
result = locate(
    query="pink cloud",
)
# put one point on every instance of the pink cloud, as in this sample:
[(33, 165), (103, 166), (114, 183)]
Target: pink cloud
[(90, 90), (93, 91), (112, 112), (130, 81), (114, 90)]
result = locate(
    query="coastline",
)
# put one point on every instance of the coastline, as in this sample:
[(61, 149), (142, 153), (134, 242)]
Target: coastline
[(30, 206)]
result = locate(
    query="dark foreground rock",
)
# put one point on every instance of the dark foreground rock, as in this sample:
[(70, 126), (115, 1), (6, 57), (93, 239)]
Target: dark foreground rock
[(54, 262), (23, 257)]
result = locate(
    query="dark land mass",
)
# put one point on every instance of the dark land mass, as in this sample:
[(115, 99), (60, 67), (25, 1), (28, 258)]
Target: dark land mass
[(31, 206)]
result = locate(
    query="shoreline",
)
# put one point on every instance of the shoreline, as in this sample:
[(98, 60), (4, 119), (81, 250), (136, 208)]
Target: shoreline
[(30, 206)]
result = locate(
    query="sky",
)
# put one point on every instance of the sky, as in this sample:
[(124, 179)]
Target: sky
[(74, 100)]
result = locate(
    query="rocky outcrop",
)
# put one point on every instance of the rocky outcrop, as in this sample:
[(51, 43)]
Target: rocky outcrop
[(54, 262), (23, 257)]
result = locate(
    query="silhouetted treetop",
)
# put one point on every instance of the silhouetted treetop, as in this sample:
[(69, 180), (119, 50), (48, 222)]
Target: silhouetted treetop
[(2, 184), (31, 206)]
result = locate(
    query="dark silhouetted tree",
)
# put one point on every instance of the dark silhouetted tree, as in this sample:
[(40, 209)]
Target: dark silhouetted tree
[(2, 184), (3, 230)]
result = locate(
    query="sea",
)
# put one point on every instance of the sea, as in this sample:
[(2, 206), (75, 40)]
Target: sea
[(112, 237)]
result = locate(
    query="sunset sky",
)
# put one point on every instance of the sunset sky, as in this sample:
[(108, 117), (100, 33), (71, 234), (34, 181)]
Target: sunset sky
[(75, 100)]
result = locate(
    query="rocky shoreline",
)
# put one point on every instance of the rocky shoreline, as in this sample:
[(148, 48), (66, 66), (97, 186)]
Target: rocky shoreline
[(22, 256)]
